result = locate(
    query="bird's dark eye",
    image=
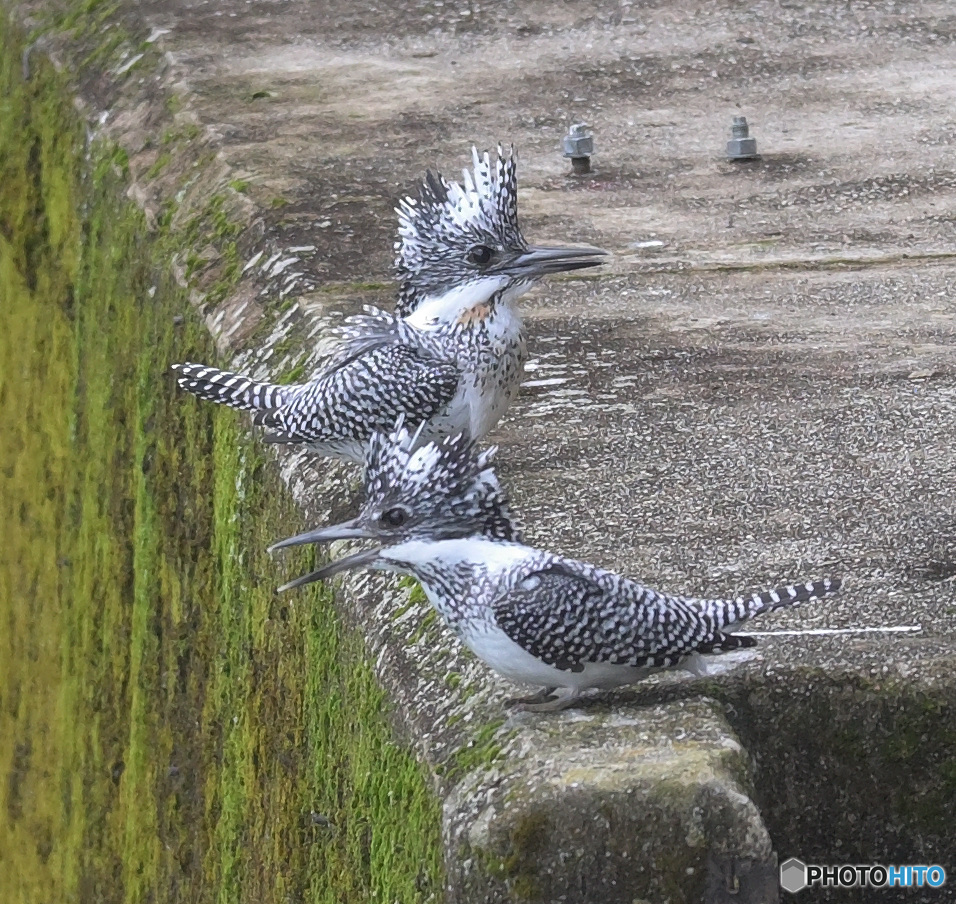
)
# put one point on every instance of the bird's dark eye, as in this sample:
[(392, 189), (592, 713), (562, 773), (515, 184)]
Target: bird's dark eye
[(480, 255), (395, 517)]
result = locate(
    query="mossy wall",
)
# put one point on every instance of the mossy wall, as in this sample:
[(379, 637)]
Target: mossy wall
[(864, 770), (170, 729)]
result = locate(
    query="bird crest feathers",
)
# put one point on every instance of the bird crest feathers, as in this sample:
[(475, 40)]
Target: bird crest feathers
[(447, 484), (482, 208)]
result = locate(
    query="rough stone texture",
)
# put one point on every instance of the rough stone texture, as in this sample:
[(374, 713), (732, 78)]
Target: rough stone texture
[(614, 807), (760, 386)]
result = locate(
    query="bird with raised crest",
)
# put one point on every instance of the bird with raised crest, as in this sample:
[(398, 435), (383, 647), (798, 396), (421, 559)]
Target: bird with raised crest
[(450, 359), (437, 512)]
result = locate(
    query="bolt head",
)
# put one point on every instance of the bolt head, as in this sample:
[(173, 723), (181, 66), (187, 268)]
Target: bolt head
[(742, 148), (579, 142)]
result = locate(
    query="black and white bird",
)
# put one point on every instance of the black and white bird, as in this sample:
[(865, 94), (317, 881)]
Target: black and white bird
[(450, 358), (437, 512)]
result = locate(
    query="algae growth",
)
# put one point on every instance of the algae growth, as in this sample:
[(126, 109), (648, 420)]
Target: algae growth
[(169, 728)]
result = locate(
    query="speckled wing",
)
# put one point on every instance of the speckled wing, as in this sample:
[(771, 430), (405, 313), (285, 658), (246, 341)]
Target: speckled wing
[(367, 390), (569, 614), (373, 328)]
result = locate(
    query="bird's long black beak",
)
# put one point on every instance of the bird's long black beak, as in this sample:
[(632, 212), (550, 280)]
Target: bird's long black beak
[(356, 560), (347, 530), (539, 261)]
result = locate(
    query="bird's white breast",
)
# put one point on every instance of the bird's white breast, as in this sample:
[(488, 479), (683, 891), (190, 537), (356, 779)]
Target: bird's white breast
[(488, 341), (493, 383), (516, 664), (489, 556), (500, 652)]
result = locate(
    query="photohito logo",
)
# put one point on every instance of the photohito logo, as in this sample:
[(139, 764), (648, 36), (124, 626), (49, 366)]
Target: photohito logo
[(795, 875)]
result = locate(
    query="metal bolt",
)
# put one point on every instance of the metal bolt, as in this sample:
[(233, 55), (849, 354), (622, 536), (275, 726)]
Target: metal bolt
[(578, 144), (741, 146)]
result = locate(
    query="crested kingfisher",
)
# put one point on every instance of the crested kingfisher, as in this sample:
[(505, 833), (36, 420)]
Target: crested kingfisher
[(438, 512), (450, 359)]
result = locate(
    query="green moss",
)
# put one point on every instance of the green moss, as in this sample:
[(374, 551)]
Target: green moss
[(525, 887), (162, 161), (120, 159), (295, 372), (184, 132), (430, 623), (86, 16), (518, 866), (169, 728), (530, 834), (922, 751), (287, 345), (416, 593), (482, 749)]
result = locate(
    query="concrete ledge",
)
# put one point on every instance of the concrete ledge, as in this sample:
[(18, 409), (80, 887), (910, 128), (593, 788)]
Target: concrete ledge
[(575, 806), (761, 387), (614, 808)]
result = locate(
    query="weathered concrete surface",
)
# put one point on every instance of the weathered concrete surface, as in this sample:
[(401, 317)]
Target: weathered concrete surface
[(760, 387), (653, 804)]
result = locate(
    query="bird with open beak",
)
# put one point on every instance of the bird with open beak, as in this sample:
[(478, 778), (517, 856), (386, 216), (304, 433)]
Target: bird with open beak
[(438, 512)]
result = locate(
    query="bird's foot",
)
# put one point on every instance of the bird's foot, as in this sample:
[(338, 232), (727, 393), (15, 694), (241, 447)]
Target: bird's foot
[(540, 697), (549, 700)]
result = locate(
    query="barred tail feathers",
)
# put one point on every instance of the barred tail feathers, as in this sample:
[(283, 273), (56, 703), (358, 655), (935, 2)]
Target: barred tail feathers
[(729, 613), (228, 388)]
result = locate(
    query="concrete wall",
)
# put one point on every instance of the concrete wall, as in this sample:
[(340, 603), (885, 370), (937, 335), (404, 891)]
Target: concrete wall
[(758, 388)]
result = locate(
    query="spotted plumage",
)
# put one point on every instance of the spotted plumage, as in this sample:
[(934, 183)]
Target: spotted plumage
[(435, 488), (375, 378), (452, 356), (481, 211), (568, 614), (437, 512)]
